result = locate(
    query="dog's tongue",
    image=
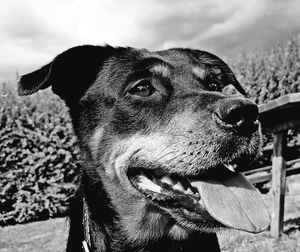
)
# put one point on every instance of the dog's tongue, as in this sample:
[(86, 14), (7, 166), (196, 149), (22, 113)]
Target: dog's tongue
[(234, 202)]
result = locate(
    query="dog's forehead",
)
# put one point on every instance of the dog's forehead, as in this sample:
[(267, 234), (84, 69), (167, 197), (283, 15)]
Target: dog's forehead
[(184, 66), (166, 61), (202, 65), (176, 56), (192, 62)]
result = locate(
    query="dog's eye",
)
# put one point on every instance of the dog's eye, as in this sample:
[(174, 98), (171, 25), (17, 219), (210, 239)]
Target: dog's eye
[(143, 88)]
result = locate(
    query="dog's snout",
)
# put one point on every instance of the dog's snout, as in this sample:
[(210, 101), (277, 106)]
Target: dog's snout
[(242, 114), (233, 111)]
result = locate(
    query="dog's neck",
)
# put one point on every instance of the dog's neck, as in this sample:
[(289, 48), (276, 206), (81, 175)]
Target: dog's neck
[(95, 242), (95, 228)]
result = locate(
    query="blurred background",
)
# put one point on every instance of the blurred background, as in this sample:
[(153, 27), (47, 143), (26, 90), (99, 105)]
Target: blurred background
[(39, 156)]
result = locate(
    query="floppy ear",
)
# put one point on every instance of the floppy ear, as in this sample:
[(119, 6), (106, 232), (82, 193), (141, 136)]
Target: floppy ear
[(70, 73)]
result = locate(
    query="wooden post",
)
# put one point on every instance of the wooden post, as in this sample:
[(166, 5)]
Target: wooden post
[(278, 183)]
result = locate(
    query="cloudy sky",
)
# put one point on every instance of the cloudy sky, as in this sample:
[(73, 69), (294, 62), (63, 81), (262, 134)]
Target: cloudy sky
[(32, 32)]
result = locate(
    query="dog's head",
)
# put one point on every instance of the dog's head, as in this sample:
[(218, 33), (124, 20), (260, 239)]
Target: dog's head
[(160, 136)]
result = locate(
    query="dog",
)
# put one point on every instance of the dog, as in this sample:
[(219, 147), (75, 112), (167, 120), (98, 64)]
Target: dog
[(162, 148)]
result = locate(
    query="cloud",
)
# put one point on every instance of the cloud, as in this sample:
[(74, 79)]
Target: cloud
[(200, 23), (33, 32), (28, 38)]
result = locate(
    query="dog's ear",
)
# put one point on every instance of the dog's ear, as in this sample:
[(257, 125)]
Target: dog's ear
[(70, 73)]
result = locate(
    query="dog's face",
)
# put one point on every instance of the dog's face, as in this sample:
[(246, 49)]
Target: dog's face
[(161, 137)]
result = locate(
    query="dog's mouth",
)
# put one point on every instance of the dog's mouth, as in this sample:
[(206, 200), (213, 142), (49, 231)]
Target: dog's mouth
[(220, 196)]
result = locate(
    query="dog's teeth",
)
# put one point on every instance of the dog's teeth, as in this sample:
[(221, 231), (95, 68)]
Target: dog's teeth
[(195, 201), (147, 184), (167, 180), (189, 191), (201, 202), (230, 167), (179, 187)]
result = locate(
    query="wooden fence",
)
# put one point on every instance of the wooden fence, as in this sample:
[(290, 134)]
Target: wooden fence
[(277, 117)]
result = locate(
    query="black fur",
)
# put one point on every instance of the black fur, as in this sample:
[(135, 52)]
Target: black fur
[(119, 129)]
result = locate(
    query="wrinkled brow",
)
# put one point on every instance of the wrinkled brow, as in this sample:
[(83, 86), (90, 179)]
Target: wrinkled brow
[(162, 70), (200, 73), (147, 63), (148, 67)]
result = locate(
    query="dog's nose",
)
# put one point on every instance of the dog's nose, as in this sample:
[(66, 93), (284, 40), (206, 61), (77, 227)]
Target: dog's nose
[(239, 113)]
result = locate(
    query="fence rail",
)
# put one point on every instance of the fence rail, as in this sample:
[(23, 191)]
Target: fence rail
[(263, 175), (276, 117)]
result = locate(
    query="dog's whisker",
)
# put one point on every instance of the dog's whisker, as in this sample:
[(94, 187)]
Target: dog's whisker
[(162, 156), (167, 162), (178, 135)]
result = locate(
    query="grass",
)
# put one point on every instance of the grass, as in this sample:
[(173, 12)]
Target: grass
[(46, 236), (51, 235)]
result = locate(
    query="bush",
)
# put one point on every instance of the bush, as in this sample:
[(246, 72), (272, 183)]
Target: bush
[(39, 157), (269, 75)]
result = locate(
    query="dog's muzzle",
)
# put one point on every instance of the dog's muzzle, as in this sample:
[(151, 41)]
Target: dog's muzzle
[(222, 195)]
